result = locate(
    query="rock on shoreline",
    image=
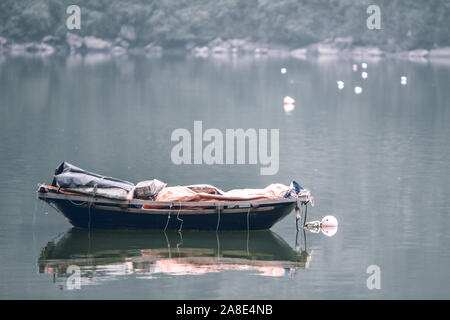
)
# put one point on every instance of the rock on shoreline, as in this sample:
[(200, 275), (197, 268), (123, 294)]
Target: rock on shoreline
[(124, 44)]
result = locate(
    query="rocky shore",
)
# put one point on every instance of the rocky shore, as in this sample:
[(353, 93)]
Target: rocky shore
[(125, 43)]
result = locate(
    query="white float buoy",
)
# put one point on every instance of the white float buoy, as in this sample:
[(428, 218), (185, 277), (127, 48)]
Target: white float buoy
[(288, 100), (355, 67), (340, 84), (329, 226), (329, 221), (364, 75), (364, 65), (283, 70), (358, 90), (404, 80)]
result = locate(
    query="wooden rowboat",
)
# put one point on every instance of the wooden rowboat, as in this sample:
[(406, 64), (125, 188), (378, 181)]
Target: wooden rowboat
[(96, 212)]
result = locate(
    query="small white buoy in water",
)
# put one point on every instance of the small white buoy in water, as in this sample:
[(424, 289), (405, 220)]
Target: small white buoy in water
[(340, 85), (329, 221), (288, 100), (364, 65), (283, 70), (358, 90), (364, 75), (355, 67), (329, 225), (403, 80)]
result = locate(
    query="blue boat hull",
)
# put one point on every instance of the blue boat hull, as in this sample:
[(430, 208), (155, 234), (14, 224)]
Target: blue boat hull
[(244, 219)]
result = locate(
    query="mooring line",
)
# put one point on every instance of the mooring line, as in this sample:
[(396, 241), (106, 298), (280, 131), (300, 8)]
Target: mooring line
[(78, 204), (90, 203), (181, 226), (248, 229), (306, 213), (218, 244), (168, 217), (218, 217)]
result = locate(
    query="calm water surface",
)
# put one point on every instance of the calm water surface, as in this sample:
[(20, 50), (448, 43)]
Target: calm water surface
[(378, 161)]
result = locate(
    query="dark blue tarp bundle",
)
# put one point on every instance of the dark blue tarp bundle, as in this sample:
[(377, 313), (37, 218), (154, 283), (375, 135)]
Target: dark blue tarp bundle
[(293, 187), (70, 176)]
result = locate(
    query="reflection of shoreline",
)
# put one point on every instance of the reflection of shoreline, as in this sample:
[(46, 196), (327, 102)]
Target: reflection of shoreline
[(107, 255), (99, 58)]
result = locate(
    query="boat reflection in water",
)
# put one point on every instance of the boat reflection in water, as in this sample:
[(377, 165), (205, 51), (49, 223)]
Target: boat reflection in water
[(100, 255)]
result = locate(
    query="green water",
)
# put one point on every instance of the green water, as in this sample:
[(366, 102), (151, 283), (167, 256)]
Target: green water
[(378, 161)]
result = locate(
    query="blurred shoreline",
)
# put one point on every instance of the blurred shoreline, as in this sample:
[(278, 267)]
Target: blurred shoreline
[(92, 48)]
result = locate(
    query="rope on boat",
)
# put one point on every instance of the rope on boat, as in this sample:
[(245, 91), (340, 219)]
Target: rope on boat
[(298, 209), (248, 219), (309, 198), (179, 219), (89, 214), (306, 213), (90, 202), (218, 217), (78, 204), (248, 229), (168, 216), (298, 215)]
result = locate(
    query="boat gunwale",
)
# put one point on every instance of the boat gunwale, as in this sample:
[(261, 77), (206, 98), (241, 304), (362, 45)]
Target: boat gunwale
[(182, 211), (46, 195)]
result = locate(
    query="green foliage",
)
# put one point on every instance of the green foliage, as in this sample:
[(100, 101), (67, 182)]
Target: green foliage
[(295, 23)]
